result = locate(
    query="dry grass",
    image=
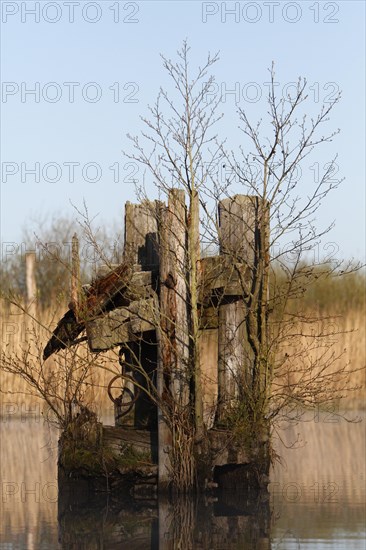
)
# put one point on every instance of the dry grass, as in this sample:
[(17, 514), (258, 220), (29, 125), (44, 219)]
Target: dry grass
[(18, 332), (330, 352), (347, 336)]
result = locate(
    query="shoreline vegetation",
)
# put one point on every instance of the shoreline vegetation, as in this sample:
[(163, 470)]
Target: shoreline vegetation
[(337, 304)]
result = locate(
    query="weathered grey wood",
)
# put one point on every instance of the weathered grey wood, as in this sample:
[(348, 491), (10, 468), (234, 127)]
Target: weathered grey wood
[(138, 286), (238, 234), (226, 450), (142, 441), (105, 269), (209, 374), (75, 276), (173, 330), (173, 295), (140, 249), (121, 325), (222, 273), (106, 291), (238, 228), (209, 318), (141, 234), (231, 354)]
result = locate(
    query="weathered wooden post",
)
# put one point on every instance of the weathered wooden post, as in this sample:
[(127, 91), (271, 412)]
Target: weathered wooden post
[(238, 222), (173, 384), (140, 251), (173, 295), (75, 276), (194, 251), (141, 234), (30, 269)]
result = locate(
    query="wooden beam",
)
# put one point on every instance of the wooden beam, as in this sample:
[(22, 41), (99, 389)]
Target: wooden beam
[(221, 273), (121, 325), (238, 234)]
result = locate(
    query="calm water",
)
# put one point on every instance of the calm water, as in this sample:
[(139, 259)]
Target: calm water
[(317, 500)]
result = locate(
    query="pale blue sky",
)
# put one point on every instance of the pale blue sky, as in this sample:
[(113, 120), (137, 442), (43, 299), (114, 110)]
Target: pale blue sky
[(329, 53)]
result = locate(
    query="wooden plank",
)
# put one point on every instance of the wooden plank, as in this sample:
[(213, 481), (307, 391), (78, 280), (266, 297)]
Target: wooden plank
[(209, 318), (141, 251), (104, 290), (103, 270), (209, 374), (164, 430), (138, 286), (142, 441), (142, 314), (231, 354), (226, 451), (120, 325), (220, 272)]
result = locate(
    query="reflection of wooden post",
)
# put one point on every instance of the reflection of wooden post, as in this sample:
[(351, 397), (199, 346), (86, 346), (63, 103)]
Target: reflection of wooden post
[(237, 218), (166, 541), (164, 431), (179, 523), (30, 269)]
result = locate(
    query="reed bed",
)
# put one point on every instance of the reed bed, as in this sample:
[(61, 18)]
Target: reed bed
[(332, 348), (18, 332), (340, 302)]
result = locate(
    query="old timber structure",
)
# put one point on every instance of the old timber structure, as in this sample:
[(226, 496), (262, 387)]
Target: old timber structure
[(143, 310)]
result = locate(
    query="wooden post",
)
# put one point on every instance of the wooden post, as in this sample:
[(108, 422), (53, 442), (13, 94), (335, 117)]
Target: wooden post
[(141, 234), (30, 269), (173, 367), (75, 276), (238, 224), (194, 281), (237, 219), (164, 431), (140, 249), (173, 295)]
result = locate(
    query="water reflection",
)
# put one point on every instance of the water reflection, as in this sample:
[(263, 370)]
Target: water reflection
[(28, 456), (227, 523), (317, 500)]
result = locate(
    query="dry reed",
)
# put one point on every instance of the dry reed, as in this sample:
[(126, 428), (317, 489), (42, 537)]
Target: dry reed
[(347, 336)]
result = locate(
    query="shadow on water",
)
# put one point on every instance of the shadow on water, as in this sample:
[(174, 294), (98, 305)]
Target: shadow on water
[(224, 522)]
